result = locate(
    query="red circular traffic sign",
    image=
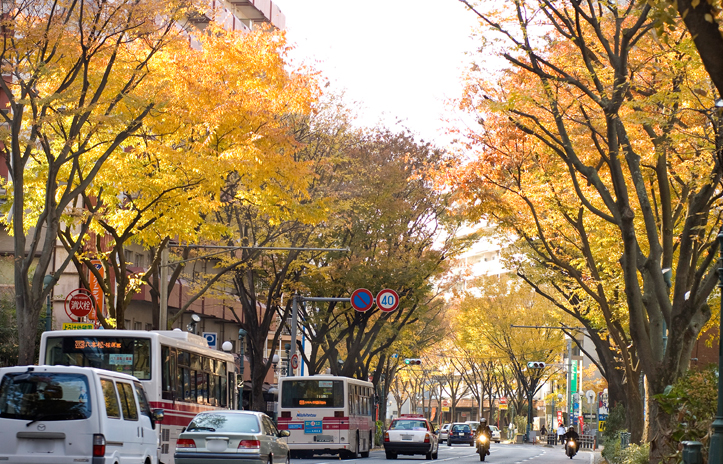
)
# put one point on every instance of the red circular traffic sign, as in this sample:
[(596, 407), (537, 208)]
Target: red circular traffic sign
[(362, 299), (387, 300), (295, 361), (78, 303)]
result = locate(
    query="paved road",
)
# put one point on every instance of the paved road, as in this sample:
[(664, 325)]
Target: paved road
[(463, 454)]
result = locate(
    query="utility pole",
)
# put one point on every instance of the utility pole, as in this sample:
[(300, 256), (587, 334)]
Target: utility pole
[(715, 452)]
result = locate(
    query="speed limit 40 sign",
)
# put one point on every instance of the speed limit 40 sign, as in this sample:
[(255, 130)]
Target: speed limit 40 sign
[(387, 300)]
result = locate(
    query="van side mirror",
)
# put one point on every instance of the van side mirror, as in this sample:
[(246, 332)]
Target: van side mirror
[(284, 433), (158, 415)]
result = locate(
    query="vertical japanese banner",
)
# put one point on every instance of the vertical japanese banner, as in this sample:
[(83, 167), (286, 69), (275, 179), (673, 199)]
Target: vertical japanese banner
[(96, 290)]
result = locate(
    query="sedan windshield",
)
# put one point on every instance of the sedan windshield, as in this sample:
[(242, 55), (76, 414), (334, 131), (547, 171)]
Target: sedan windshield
[(44, 396), (227, 423), (409, 425)]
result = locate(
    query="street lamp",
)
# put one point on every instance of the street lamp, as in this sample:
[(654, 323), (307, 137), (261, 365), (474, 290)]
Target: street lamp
[(715, 452), (195, 319)]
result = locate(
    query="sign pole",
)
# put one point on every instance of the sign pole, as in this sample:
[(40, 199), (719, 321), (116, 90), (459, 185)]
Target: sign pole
[(294, 317)]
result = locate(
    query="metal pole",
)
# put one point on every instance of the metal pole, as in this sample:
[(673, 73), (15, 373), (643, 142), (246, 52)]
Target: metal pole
[(715, 452), (294, 317), (163, 289), (529, 413), (569, 383), (48, 305), (48, 315)]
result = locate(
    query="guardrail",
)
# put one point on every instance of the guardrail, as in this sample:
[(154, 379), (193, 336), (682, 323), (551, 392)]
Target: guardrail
[(586, 441)]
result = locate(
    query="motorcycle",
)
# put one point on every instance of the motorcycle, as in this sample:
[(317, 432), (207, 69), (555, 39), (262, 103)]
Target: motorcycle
[(483, 446), (571, 447)]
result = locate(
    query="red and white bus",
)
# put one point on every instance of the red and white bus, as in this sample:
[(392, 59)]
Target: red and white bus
[(177, 369), (326, 414)]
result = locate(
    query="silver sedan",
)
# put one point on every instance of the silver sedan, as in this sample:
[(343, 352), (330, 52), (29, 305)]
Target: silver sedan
[(231, 437)]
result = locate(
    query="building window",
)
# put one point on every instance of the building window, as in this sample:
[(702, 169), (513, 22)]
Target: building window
[(128, 256), (137, 325), (149, 327), (139, 260)]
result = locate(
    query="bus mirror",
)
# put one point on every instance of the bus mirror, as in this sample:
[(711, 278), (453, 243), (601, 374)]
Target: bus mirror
[(284, 433)]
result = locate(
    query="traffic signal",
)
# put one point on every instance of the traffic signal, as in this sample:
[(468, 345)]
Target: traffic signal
[(412, 361), (535, 365)]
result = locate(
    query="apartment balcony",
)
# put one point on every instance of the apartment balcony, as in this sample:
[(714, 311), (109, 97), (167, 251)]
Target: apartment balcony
[(260, 11)]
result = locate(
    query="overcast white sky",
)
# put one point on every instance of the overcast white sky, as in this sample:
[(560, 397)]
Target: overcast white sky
[(400, 59)]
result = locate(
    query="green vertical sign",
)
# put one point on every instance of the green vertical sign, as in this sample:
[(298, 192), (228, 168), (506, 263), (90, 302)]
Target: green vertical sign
[(573, 377)]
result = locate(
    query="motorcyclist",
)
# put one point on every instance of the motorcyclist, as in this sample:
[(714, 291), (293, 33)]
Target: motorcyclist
[(483, 428), (571, 434)]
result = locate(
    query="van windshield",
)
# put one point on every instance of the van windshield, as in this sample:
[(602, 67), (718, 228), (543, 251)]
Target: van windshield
[(44, 396)]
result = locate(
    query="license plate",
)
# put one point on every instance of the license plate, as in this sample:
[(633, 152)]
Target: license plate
[(407, 437)]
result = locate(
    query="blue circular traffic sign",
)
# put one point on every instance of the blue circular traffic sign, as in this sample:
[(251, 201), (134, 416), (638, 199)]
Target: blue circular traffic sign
[(362, 299), (387, 300)]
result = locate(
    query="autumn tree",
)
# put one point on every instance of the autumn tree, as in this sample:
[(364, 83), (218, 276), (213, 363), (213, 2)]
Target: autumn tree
[(233, 108), (389, 216), (703, 20), (78, 79), (487, 317), (599, 150)]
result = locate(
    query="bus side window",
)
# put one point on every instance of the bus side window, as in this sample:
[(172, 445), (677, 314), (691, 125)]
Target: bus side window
[(192, 391), (224, 397), (212, 390), (186, 384), (175, 379), (168, 372)]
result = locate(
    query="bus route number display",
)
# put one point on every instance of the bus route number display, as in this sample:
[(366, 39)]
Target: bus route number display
[(85, 343)]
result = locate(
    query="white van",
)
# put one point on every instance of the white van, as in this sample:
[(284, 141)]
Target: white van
[(67, 414)]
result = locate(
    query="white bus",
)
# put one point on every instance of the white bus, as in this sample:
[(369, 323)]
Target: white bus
[(326, 414), (177, 369)]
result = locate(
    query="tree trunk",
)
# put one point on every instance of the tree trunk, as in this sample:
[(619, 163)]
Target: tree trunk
[(28, 317)]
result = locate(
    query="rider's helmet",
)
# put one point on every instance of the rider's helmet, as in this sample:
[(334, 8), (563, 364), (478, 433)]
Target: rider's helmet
[(571, 429), (483, 420)]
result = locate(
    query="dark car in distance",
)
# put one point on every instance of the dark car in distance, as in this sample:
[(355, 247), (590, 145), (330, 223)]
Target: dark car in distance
[(460, 432)]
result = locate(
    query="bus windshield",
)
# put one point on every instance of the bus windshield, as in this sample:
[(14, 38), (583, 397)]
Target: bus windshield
[(129, 355), (312, 394)]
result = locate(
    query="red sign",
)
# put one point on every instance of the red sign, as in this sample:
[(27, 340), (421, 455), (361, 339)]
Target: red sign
[(581, 424), (387, 300), (559, 418), (503, 400), (78, 303), (362, 299)]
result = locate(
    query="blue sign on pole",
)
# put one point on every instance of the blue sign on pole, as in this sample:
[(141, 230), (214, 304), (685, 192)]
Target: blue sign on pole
[(210, 339), (362, 299)]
